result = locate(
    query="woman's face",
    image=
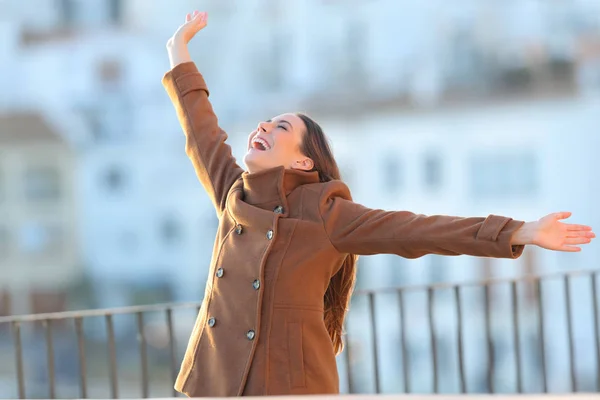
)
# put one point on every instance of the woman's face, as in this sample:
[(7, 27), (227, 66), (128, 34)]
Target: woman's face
[(277, 142)]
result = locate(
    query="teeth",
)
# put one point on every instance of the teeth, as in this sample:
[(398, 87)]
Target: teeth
[(262, 141)]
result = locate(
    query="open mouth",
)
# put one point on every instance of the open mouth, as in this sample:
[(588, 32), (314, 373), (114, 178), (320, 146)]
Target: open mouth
[(260, 144)]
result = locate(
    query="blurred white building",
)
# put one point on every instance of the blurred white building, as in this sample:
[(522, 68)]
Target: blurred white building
[(487, 107), (39, 246)]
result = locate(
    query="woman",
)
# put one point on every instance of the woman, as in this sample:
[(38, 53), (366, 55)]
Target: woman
[(283, 264)]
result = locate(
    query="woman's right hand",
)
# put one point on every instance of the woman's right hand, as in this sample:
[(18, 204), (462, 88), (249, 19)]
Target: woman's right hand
[(193, 24), (177, 44)]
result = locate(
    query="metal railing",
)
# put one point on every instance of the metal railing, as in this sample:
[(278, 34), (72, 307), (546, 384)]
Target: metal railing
[(527, 306)]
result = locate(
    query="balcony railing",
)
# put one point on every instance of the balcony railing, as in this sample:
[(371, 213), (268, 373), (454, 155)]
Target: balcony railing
[(529, 334)]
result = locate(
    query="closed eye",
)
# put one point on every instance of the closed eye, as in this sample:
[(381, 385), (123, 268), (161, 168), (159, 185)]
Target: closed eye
[(282, 127)]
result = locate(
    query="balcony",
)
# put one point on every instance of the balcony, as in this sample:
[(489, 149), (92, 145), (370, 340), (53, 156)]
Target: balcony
[(533, 334)]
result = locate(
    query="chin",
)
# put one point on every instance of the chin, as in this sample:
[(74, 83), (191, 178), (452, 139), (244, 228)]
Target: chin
[(253, 162), (258, 161)]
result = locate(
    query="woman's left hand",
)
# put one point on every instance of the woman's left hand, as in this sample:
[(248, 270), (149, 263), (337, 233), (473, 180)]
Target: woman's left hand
[(549, 233)]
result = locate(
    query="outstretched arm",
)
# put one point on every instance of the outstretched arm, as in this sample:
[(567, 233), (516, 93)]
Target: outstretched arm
[(355, 229), (205, 141)]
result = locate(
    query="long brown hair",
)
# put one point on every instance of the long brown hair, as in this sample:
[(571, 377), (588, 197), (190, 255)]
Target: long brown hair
[(337, 296)]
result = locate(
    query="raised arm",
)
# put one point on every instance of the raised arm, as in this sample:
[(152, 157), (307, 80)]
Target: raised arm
[(205, 141)]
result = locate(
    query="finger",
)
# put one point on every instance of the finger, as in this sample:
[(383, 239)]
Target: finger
[(562, 215), (196, 12), (570, 249), (575, 227), (188, 17), (577, 240), (587, 234)]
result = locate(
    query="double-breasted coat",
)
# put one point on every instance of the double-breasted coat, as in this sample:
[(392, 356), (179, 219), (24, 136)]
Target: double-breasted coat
[(281, 236)]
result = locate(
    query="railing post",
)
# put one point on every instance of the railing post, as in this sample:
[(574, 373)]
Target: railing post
[(19, 358), (143, 354), (348, 359), (50, 358), (567, 291), (405, 353), (515, 321), (488, 333), (459, 340), (432, 338), (112, 356), (172, 349), (595, 320), (541, 330), (371, 298), (82, 364)]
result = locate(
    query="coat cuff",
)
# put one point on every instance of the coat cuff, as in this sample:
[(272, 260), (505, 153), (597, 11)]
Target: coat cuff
[(186, 78), (501, 230)]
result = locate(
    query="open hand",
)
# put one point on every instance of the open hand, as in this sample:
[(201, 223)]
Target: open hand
[(549, 233), (193, 24)]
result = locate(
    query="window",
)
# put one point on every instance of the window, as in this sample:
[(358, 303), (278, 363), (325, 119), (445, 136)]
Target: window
[(151, 292), (356, 46), (2, 187), (110, 73), (504, 175), (170, 231), (115, 11), (5, 308), (48, 302), (392, 174), (42, 184), (4, 242), (86, 12), (67, 9), (438, 268), (114, 180), (273, 69), (41, 240), (5, 311), (433, 171)]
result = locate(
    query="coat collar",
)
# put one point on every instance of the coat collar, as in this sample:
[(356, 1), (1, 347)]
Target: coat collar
[(270, 188)]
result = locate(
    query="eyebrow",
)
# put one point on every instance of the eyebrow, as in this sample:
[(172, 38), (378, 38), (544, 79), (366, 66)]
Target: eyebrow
[(283, 121)]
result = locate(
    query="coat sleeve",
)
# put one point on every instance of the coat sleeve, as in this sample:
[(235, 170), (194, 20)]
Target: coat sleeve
[(205, 141), (355, 229)]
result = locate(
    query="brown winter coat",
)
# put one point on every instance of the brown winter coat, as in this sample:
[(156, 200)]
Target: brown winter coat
[(282, 235)]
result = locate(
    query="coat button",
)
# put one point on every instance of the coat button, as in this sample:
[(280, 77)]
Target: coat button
[(250, 335), (220, 273), (278, 210), (212, 322), (256, 284), (270, 234), (238, 229)]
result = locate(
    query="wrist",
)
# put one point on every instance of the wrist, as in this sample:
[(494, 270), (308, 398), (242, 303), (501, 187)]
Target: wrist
[(177, 51), (525, 235), (176, 42)]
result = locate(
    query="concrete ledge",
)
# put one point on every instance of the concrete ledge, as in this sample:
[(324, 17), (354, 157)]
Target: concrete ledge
[(576, 396)]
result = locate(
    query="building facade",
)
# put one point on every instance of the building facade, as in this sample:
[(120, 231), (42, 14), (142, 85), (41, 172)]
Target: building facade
[(39, 244)]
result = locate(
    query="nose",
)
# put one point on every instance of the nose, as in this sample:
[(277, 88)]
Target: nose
[(263, 127)]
